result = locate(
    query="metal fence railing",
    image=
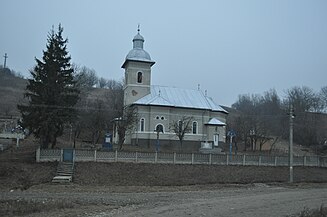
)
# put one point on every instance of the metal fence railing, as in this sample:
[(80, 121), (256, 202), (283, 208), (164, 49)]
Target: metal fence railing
[(80, 155)]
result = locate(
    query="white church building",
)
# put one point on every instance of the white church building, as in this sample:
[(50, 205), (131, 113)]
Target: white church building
[(159, 106)]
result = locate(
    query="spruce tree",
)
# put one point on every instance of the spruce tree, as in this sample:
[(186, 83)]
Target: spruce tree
[(51, 92)]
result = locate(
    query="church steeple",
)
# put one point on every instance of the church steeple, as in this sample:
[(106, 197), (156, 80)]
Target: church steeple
[(137, 67)]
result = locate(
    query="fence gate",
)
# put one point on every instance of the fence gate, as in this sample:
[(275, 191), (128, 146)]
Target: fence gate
[(68, 155)]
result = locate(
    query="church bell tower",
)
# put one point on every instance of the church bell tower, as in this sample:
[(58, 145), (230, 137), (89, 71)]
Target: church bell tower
[(137, 67)]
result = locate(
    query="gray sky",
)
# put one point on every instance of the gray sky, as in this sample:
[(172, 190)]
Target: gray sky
[(229, 47)]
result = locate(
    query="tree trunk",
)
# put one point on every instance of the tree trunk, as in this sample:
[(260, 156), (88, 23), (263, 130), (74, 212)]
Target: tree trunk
[(245, 141)]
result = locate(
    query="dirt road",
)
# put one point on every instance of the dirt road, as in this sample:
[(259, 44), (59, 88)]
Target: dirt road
[(257, 201), (249, 200)]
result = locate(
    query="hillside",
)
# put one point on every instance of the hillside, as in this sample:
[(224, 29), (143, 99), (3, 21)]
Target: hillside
[(11, 92)]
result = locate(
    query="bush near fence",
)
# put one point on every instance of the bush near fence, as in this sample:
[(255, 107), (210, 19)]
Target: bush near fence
[(82, 155)]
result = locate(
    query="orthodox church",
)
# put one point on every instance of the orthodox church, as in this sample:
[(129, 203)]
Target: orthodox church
[(158, 107)]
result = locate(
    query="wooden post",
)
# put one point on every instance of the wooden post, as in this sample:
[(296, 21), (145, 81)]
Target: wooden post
[(95, 155), (136, 157), (116, 156), (226, 159), (304, 160), (275, 160), (192, 158), (259, 163), (174, 158), (156, 157)]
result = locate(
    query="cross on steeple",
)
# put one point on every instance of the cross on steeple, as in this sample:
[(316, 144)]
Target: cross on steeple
[(4, 64), (138, 28)]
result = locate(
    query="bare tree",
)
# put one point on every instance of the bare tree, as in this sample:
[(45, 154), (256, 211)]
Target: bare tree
[(306, 104), (102, 82), (86, 78), (126, 123), (181, 127), (258, 118), (304, 99), (323, 97)]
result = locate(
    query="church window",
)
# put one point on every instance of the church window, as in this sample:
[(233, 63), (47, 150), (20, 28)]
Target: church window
[(195, 127), (139, 77), (180, 126), (159, 128), (142, 123)]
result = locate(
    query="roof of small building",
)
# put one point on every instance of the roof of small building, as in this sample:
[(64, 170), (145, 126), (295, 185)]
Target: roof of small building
[(215, 122), (179, 97)]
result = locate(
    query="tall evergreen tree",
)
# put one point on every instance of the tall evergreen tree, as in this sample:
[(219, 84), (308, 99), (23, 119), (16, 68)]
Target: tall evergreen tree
[(51, 92)]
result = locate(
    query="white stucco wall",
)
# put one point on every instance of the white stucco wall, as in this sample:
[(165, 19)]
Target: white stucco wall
[(167, 115)]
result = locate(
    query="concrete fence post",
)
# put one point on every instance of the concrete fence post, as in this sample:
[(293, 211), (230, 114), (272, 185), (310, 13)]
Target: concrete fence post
[(318, 161), (275, 160), (136, 157), (61, 154), (95, 155), (156, 157), (259, 163), (174, 158), (227, 159), (304, 160), (38, 151), (243, 159), (210, 159), (17, 142), (116, 156), (192, 158)]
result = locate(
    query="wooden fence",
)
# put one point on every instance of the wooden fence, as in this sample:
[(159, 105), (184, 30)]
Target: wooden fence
[(82, 155)]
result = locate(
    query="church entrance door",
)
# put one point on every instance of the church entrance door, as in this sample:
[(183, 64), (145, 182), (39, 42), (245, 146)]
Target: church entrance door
[(215, 139)]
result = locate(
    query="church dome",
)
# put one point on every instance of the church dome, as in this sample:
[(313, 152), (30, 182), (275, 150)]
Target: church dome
[(138, 53)]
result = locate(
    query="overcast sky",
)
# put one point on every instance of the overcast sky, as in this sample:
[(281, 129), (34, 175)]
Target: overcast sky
[(229, 47)]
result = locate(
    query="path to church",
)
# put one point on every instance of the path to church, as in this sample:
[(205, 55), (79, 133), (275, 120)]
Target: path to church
[(244, 200)]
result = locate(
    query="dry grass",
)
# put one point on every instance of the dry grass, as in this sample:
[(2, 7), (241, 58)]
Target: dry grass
[(22, 207), (321, 212)]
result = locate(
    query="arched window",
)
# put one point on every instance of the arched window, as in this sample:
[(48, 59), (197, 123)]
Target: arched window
[(180, 125), (195, 127), (142, 124), (139, 77), (160, 128)]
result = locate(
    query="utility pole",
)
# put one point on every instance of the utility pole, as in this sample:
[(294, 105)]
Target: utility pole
[(231, 134), (5, 56), (291, 144)]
